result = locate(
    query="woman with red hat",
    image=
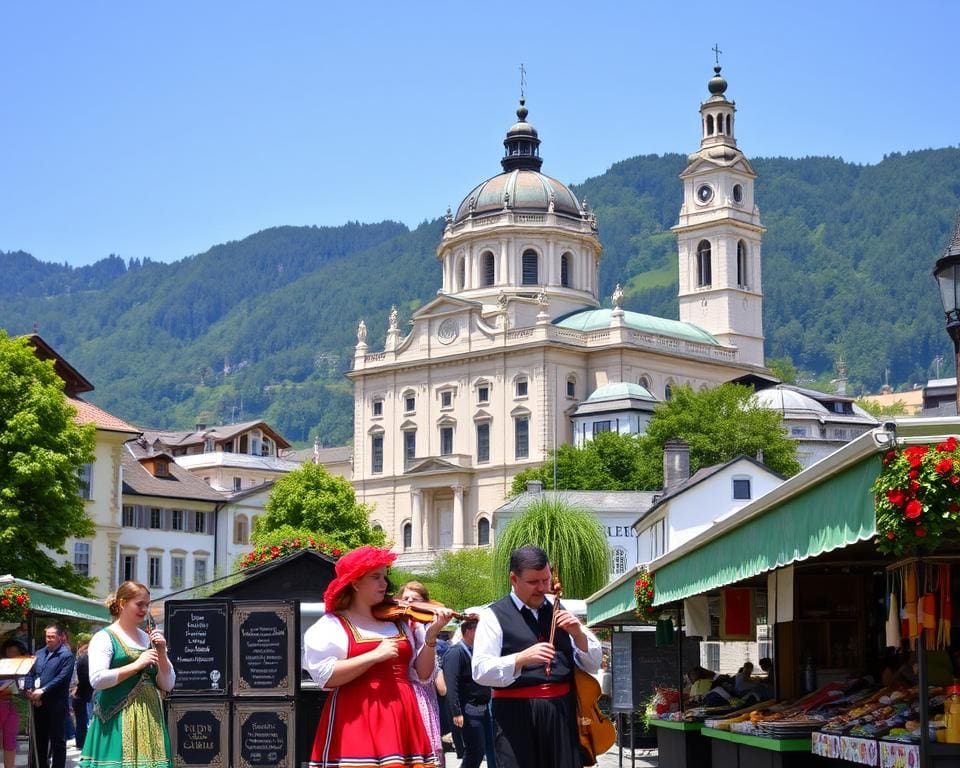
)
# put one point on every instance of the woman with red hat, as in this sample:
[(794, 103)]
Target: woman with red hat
[(371, 717)]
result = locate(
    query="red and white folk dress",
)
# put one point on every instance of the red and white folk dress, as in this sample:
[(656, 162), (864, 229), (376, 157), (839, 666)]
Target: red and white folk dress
[(374, 720)]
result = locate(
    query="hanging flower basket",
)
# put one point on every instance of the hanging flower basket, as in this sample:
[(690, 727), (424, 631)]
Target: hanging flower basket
[(265, 553), (14, 604), (643, 593), (917, 497)]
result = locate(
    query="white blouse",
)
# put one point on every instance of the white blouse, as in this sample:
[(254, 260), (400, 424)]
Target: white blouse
[(326, 643), (100, 653)]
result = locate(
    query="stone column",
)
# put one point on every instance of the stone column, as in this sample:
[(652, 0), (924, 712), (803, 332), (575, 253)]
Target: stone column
[(457, 516), (416, 519)]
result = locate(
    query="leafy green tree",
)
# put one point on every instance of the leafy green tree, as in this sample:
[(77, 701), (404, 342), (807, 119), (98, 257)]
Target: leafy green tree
[(721, 423), (572, 539), (311, 501), (896, 408), (463, 578), (718, 424), (783, 368), (42, 449)]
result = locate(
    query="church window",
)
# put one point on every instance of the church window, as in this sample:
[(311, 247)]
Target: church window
[(446, 399), (644, 381), (446, 441), (709, 125), (483, 442), (521, 387), (483, 393), (376, 454), (461, 274), (521, 435), (742, 264), (483, 532), (729, 128), (737, 193), (407, 535), (704, 277), (668, 392), (409, 446), (487, 268), (378, 407), (571, 387), (601, 426), (565, 270), (530, 273), (409, 402)]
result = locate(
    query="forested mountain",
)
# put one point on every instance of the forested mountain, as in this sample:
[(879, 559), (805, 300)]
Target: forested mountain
[(265, 326)]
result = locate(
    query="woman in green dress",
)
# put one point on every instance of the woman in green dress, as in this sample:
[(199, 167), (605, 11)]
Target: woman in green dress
[(127, 666)]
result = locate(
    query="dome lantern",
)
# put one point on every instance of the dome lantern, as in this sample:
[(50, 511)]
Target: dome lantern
[(522, 144)]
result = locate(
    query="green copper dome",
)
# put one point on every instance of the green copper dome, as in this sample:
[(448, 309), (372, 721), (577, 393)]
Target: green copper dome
[(596, 319)]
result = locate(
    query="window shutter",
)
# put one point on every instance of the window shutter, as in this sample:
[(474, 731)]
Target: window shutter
[(143, 516), (167, 519), (188, 520), (208, 523)]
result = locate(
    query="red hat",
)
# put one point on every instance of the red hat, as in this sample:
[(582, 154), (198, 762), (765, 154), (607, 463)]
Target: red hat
[(351, 567)]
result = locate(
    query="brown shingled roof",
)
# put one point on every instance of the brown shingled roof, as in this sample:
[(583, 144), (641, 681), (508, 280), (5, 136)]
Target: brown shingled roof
[(88, 413), (179, 484)]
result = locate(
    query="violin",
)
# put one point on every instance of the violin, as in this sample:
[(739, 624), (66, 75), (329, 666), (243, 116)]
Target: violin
[(421, 611), (594, 729)]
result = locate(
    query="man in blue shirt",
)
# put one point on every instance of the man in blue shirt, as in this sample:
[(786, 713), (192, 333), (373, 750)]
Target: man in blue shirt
[(48, 688)]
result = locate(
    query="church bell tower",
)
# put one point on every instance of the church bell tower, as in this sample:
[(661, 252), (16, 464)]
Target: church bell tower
[(719, 234)]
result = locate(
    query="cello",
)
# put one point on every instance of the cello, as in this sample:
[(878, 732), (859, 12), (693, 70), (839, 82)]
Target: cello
[(595, 730)]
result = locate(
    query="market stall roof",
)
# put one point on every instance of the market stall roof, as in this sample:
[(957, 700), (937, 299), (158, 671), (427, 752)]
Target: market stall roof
[(56, 602), (827, 506)]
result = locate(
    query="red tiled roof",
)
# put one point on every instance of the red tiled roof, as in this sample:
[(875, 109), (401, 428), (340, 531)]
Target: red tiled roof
[(87, 413)]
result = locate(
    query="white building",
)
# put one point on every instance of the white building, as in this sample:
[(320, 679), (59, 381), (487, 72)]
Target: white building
[(485, 382), (624, 408)]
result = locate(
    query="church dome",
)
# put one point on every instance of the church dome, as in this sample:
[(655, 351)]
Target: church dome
[(520, 190), (619, 391)]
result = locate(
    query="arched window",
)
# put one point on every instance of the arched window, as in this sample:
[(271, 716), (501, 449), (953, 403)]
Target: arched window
[(407, 535), (483, 532), (729, 128), (241, 533), (709, 125), (704, 277), (742, 273), (565, 270), (488, 269), (378, 527), (461, 274), (530, 272), (619, 560), (644, 381), (668, 392)]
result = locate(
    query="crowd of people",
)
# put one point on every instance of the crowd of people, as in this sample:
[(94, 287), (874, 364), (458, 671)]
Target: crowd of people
[(503, 690)]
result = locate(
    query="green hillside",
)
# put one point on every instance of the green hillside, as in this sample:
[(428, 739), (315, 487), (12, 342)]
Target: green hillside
[(265, 326)]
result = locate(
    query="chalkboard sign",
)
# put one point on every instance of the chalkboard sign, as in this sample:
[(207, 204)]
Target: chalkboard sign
[(264, 648), (200, 733), (639, 667), (264, 734), (197, 634)]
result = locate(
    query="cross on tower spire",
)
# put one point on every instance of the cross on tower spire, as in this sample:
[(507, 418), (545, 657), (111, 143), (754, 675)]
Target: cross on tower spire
[(716, 50)]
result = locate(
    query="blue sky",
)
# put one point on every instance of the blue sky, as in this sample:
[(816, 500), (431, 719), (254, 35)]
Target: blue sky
[(158, 130)]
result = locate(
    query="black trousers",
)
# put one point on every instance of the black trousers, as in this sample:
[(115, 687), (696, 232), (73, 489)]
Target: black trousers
[(80, 718), (477, 737), (536, 733), (50, 725)]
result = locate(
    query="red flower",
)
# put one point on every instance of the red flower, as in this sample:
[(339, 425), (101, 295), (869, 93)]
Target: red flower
[(889, 456), (914, 486), (920, 531), (954, 508), (954, 479), (914, 510), (650, 593), (896, 497), (336, 551), (5, 603), (944, 466), (891, 535), (21, 599), (951, 444)]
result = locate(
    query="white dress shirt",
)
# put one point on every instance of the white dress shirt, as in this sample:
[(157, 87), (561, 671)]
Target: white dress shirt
[(490, 668)]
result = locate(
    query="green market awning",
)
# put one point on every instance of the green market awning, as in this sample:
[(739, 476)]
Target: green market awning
[(56, 602), (614, 602), (834, 513)]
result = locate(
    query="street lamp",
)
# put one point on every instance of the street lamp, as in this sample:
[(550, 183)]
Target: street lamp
[(947, 273)]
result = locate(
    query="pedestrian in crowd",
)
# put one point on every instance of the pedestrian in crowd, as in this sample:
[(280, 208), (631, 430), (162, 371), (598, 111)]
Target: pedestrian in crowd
[(469, 701), (9, 717), (48, 688), (371, 716), (128, 668), (427, 696), (533, 711), (82, 693)]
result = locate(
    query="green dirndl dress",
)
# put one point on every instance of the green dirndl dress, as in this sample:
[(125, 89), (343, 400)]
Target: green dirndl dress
[(128, 728)]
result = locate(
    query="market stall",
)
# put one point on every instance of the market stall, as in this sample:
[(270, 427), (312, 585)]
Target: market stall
[(823, 551)]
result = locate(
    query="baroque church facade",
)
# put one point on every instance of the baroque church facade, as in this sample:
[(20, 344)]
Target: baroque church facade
[(487, 379)]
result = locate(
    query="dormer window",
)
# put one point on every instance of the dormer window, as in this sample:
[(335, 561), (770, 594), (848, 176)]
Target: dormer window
[(162, 468)]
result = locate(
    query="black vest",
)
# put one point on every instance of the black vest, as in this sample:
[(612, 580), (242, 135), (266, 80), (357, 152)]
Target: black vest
[(518, 636)]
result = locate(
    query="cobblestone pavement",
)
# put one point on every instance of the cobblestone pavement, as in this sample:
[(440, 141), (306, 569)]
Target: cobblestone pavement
[(644, 758)]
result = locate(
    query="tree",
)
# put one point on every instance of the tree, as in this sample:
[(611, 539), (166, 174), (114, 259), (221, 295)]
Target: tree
[(572, 539), (463, 578), (42, 449), (896, 408), (783, 368), (718, 424), (311, 501)]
